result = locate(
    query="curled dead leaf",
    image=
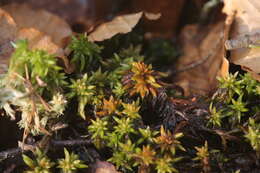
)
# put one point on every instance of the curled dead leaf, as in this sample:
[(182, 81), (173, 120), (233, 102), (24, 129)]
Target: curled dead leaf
[(119, 25), (247, 22)]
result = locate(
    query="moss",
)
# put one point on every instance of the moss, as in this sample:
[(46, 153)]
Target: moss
[(116, 96)]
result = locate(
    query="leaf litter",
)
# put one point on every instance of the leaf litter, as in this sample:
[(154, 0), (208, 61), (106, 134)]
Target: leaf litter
[(246, 23), (203, 51), (202, 78)]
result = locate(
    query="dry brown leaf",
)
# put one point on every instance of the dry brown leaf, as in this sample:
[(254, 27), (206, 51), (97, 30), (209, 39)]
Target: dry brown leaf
[(200, 44), (26, 17), (103, 167), (81, 18), (224, 70), (39, 40), (63, 8), (119, 25), (8, 31), (152, 16), (247, 22)]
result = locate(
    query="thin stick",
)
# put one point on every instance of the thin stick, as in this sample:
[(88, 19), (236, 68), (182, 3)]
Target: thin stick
[(202, 60), (193, 65), (71, 142), (243, 42), (54, 143)]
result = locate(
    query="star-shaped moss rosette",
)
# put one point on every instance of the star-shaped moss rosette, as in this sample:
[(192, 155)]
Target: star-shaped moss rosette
[(168, 141), (142, 80)]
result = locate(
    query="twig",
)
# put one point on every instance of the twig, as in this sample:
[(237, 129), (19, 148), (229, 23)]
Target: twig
[(243, 42), (71, 142), (194, 64), (202, 60), (54, 143)]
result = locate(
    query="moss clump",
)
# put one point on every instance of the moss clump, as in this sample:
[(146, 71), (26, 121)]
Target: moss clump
[(123, 107)]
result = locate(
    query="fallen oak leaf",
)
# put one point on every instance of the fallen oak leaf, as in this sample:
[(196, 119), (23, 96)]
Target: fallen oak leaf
[(44, 31), (65, 9), (39, 40), (48, 23), (119, 25)]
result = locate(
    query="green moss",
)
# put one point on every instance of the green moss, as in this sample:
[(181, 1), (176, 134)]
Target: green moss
[(112, 94)]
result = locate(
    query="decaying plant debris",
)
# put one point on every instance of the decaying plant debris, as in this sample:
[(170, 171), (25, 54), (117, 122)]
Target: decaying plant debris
[(105, 101), (246, 23)]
